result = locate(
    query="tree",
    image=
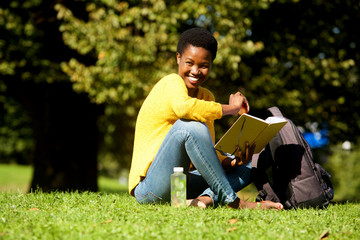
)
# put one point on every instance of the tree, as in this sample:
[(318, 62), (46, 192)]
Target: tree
[(113, 52), (63, 123), (276, 51), (309, 65), (134, 44), (301, 56)]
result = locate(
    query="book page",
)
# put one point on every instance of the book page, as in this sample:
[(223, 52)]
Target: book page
[(246, 128), (268, 134), (275, 119), (250, 129), (253, 128)]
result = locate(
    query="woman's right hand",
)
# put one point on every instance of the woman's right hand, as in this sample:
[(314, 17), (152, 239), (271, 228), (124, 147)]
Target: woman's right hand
[(236, 102)]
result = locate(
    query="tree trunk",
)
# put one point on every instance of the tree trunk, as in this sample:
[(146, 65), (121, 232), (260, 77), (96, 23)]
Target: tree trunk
[(65, 129), (66, 140), (65, 133)]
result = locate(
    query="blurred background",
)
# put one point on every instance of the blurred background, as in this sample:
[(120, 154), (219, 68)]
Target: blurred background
[(73, 74)]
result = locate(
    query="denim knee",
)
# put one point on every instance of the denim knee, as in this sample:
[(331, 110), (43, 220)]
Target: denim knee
[(194, 128), (192, 125)]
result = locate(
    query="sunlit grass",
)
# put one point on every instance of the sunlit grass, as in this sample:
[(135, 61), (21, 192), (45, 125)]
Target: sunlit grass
[(113, 214), (119, 216), (16, 179)]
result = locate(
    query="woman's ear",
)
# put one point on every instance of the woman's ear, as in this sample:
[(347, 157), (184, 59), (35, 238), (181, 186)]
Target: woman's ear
[(178, 56)]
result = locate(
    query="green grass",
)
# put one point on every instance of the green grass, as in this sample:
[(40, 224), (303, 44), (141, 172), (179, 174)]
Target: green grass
[(118, 216), (16, 179), (109, 215)]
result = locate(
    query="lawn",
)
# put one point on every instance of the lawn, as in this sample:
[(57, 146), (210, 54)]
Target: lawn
[(108, 215), (16, 179)]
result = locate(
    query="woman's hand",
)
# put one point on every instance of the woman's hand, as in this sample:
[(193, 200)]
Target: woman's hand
[(241, 159), (237, 101)]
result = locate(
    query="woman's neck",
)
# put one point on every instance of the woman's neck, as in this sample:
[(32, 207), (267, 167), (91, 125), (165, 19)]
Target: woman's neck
[(193, 92)]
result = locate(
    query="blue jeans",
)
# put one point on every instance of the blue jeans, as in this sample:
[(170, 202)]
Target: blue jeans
[(190, 142)]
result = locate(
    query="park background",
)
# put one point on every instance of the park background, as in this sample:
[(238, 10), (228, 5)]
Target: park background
[(73, 75)]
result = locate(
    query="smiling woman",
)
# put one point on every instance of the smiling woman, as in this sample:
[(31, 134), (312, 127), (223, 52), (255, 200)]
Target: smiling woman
[(195, 54), (175, 128), (194, 67)]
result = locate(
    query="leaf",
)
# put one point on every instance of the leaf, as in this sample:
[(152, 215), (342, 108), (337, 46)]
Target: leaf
[(33, 209), (231, 229), (324, 235), (108, 221), (234, 220)]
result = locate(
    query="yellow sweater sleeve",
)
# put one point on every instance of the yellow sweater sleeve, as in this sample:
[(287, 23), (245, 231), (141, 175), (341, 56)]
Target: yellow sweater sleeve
[(191, 108), (167, 102)]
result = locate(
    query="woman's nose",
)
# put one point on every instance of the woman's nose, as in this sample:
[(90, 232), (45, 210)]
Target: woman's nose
[(195, 70)]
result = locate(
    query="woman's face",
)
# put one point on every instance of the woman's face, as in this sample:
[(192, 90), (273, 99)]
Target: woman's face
[(194, 67)]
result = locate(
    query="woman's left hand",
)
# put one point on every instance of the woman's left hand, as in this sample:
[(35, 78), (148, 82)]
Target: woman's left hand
[(243, 158)]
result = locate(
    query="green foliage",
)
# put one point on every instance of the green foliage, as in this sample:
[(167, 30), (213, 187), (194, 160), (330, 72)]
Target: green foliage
[(16, 134), (302, 56), (344, 167), (119, 216), (281, 53), (22, 42), (134, 45), (23, 58), (309, 65)]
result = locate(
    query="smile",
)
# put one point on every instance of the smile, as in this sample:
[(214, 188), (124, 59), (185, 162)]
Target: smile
[(193, 79)]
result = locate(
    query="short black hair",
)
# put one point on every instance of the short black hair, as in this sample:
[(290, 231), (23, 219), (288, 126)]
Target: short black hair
[(197, 37)]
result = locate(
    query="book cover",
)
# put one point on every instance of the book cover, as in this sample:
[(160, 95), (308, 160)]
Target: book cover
[(248, 128)]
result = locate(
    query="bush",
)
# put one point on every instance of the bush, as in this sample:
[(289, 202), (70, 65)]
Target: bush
[(344, 166)]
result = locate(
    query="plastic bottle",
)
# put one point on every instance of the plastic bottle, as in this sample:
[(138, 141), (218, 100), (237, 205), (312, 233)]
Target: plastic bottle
[(178, 188)]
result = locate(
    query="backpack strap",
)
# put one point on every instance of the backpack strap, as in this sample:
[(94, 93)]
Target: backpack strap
[(285, 192), (260, 163), (274, 111)]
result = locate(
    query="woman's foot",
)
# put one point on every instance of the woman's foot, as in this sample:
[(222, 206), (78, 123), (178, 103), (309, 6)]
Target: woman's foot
[(240, 204), (202, 201)]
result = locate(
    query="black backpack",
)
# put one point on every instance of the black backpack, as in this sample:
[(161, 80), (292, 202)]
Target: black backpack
[(297, 182)]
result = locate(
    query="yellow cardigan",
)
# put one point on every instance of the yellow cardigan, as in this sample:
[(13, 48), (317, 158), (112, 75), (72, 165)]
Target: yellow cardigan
[(167, 102)]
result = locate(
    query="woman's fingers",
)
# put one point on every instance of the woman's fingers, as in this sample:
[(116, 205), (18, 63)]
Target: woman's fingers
[(252, 150), (246, 151)]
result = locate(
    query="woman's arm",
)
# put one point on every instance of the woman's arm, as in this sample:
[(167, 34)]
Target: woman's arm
[(236, 101), (202, 109)]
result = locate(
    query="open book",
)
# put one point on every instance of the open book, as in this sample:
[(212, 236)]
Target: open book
[(250, 129)]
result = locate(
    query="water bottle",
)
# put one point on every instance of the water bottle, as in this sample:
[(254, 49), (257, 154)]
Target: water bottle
[(178, 188)]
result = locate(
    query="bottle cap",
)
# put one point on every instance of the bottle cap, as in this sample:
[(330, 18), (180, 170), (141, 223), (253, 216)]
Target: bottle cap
[(178, 169)]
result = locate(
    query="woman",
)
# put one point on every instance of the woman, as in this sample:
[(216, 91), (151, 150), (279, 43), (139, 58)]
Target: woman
[(175, 128)]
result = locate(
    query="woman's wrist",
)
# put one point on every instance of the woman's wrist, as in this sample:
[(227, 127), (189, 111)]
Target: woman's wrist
[(226, 163), (229, 110)]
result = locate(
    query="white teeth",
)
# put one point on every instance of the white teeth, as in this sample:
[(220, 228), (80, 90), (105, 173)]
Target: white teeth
[(192, 79)]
